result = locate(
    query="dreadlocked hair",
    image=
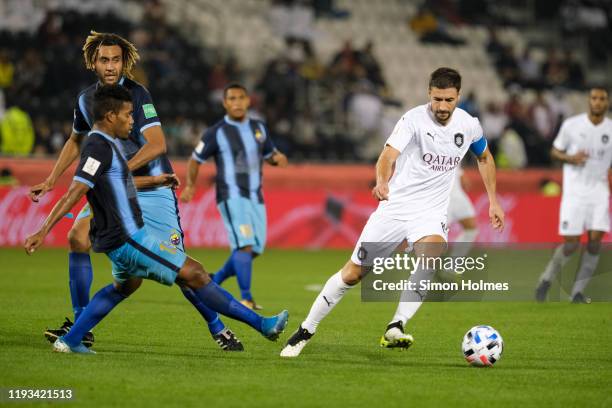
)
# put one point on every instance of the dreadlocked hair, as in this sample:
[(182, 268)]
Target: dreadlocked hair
[(95, 40)]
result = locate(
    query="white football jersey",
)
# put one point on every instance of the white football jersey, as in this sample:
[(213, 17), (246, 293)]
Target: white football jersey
[(430, 155), (589, 182)]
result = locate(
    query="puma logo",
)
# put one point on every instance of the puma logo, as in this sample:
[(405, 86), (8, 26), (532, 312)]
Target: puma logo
[(328, 302), (430, 135)]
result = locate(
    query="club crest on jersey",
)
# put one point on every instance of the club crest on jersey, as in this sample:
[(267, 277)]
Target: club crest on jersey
[(605, 139), (258, 135), (459, 139), (175, 239)]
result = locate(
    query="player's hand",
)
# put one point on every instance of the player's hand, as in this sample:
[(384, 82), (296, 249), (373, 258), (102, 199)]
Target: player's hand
[(187, 194), (280, 159), (579, 158), (170, 180), (33, 242), (496, 215), (39, 190), (381, 192)]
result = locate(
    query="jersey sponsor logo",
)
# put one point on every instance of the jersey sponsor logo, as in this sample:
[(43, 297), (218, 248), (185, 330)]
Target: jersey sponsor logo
[(149, 111), (199, 148), (439, 162), (605, 139), (91, 166), (459, 139)]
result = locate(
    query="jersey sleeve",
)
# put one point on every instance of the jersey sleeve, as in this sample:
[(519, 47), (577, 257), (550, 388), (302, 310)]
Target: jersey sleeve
[(145, 115), (207, 146), (479, 142), (562, 140), (402, 134), (96, 158), (268, 146), (79, 124)]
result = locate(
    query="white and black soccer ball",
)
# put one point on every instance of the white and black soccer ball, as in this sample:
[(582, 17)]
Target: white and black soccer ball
[(482, 346)]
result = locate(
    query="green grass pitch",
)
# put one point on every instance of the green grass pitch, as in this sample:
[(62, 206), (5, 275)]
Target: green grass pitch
[(154, 350)]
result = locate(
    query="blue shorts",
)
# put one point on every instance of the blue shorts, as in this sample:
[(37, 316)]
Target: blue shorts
[(245, 221), (146, 256), (161, 215)]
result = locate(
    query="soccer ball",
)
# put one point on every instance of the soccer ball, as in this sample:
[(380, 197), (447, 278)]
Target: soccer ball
[(482, 346)]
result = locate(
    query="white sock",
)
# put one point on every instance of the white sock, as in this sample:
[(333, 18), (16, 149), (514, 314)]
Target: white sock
[(556, 263), (588, 264), (463, 243), (330, 295), (410, 300)]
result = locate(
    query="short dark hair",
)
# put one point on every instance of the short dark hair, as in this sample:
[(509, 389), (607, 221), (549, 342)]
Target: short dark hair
[(445, 78), (109, 98), (234, 85), (599, 88)]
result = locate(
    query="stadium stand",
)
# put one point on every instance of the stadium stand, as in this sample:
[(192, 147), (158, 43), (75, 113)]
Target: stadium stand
[(330, 78)]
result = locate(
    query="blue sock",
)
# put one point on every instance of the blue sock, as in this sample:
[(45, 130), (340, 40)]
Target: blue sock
[(102, 303), (215, 325), (220, 300), (243, 265), (81, 276), (226, 271)]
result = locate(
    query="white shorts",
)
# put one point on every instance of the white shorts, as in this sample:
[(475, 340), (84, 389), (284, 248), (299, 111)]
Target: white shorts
[(460, 207), (576, 217), (382, 229)]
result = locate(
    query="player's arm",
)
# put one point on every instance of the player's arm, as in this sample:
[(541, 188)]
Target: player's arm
[(384, 171), (193, 169), (67, 156), (577, 159), (277, 159), (155, 146), (206, 148), (486, 167), (561, 144), (162, 180), (61, 208)]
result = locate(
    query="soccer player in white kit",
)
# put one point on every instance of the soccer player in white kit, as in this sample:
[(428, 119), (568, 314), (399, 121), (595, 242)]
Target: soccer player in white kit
[(426, 148), (584, 145)]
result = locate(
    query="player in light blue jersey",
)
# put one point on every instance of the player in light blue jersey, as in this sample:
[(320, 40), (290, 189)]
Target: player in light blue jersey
[(239, 146), (112, 58)]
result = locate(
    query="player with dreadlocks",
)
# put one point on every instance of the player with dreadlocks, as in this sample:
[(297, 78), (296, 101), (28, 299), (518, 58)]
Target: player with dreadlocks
[(113, 58)]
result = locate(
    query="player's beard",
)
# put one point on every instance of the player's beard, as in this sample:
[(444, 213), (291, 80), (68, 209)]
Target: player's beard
[(443, 116)]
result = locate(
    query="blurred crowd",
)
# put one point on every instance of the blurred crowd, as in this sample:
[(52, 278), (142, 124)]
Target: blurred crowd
[(321, 111)]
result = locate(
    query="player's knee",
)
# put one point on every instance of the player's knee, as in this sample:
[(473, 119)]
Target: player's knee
[(196, 276), (78, 241), (593, 246), (570, 246), (128, 287), (351, 273)]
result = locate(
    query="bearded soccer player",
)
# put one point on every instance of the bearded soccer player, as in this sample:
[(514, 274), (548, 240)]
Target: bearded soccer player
[(112, 58), (426, 148), (584, 147)]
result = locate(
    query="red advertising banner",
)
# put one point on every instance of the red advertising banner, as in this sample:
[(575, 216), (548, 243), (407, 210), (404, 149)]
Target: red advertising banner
[(309, 219)]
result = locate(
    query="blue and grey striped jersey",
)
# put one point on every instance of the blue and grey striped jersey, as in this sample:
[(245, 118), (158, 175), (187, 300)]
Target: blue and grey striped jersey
[(144, 115), (239, 149), (112, 194)]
